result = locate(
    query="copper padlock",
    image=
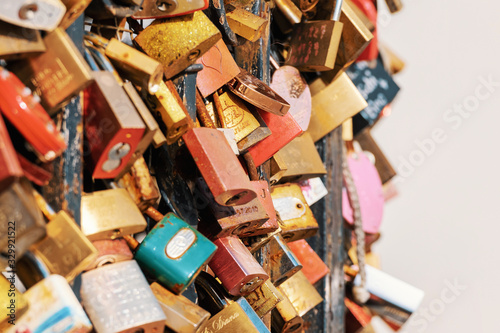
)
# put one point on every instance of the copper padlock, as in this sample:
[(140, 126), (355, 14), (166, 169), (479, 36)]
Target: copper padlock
[(235, 267), (301, 293), (219, 167)]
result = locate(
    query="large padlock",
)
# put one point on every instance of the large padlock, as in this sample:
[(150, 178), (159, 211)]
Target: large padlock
[(227, 315), (12, 301), (183, 316), (17, 42), (164, 40), (174, 252), (264, 298), (155, 9), (53, 308), (110, 214), (297, 219), (301, 293), (118, 298), (312, 266), (220, 168), (284, 263), (21, 109), (10, 168), (38, 14), (57, 74), (235, 267)]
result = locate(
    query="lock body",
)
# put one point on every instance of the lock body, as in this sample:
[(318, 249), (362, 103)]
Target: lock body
[(117, 298), (220, 168), (285, 318), (154, 9), (33, 16), (301, 293), (245, 23), (174, 253), (10, 167), (110, 214), (312, 266), (110, 251), (74, 8), (165, 40), (264, 298), (17, 42), (284, 263)]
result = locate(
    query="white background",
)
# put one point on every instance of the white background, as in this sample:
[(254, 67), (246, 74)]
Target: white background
[(445, 224)]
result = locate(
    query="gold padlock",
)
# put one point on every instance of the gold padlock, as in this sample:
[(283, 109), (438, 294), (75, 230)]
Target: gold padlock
[(332, 104), (264, 298), (244, 23), (110, 214), (285, 318), (17, 42), (301, 293), (177, 42)]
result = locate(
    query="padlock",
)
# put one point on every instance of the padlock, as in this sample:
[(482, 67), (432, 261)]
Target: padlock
[(167, 103), (53, 308), (12, 301), (183, 316), (140, 185), (109, 9), (17, 42), (225, 221), (369, 8), (65, 250), (164, 40), (21, 221), (39, 174), (113, 127), (110, 214), (33, 14), (257, 93), (394, 5), (284, 263), (259, 134), (10, 168), (23, 111), (156, 9), (314, 44), (357, 318), (74, 8), (219, 167), (301, 293), (234, 114), (235, 267), (289, 84), (205, 117), (302, 160), (174, 253), (132, 64), (227, 315), (264, 298), (110, 251), (297, 219), (312, 266), (278, 168), (245, 23), (332, 104), (57, 74), (285, 318), (117, 298), (219, 68)]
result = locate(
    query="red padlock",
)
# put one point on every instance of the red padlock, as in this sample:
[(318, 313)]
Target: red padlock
[(369, 8), (312, 266), (10, 169)]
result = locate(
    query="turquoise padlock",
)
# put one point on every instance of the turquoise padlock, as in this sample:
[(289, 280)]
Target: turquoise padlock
[(174, 253)]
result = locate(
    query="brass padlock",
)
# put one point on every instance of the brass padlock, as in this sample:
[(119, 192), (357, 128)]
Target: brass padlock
[(165, 40), (111, 9), (332, 104), (264, 298), (57, 74), (17, 42), (39, 15), (301, 293), (12, 301), (297, 219), (245, 23), (110, 251), (183, 316), (285, 318), (302, 160), (110, 214)]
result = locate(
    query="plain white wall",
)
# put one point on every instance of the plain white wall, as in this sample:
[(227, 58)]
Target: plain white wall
[(441, 233)]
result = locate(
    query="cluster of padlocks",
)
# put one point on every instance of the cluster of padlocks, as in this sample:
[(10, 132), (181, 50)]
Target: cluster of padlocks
[(155, 176)]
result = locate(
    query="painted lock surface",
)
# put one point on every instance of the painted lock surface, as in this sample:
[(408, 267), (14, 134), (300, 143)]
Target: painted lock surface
[(174, 253)]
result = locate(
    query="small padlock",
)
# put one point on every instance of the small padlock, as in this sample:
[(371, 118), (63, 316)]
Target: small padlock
[(297, 219), (301, 293), (12, 301), (53, 308), (57, 74), (285, 318), (156, 9), (314, 44), (21, 221), (174, 252), (110, 214), (10, 168), (332, 104), (17, 42), (117, 298), (23, 111), (110, 251), (227, 315), (164, 40), (235, 267), (140, 185), (218, 69), (245, 23), (183, 316), (219, 167), (264, 298), (302, 160), (284, 263), (33, 14), (257, 93), (312, 266)]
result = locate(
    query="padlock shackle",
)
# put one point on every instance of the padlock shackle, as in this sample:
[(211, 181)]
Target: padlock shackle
[(208, 285), (337, 10), (46, 209), (154, 214), (97, 40)]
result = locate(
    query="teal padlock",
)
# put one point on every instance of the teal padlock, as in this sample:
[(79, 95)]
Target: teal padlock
[(174, 253)]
